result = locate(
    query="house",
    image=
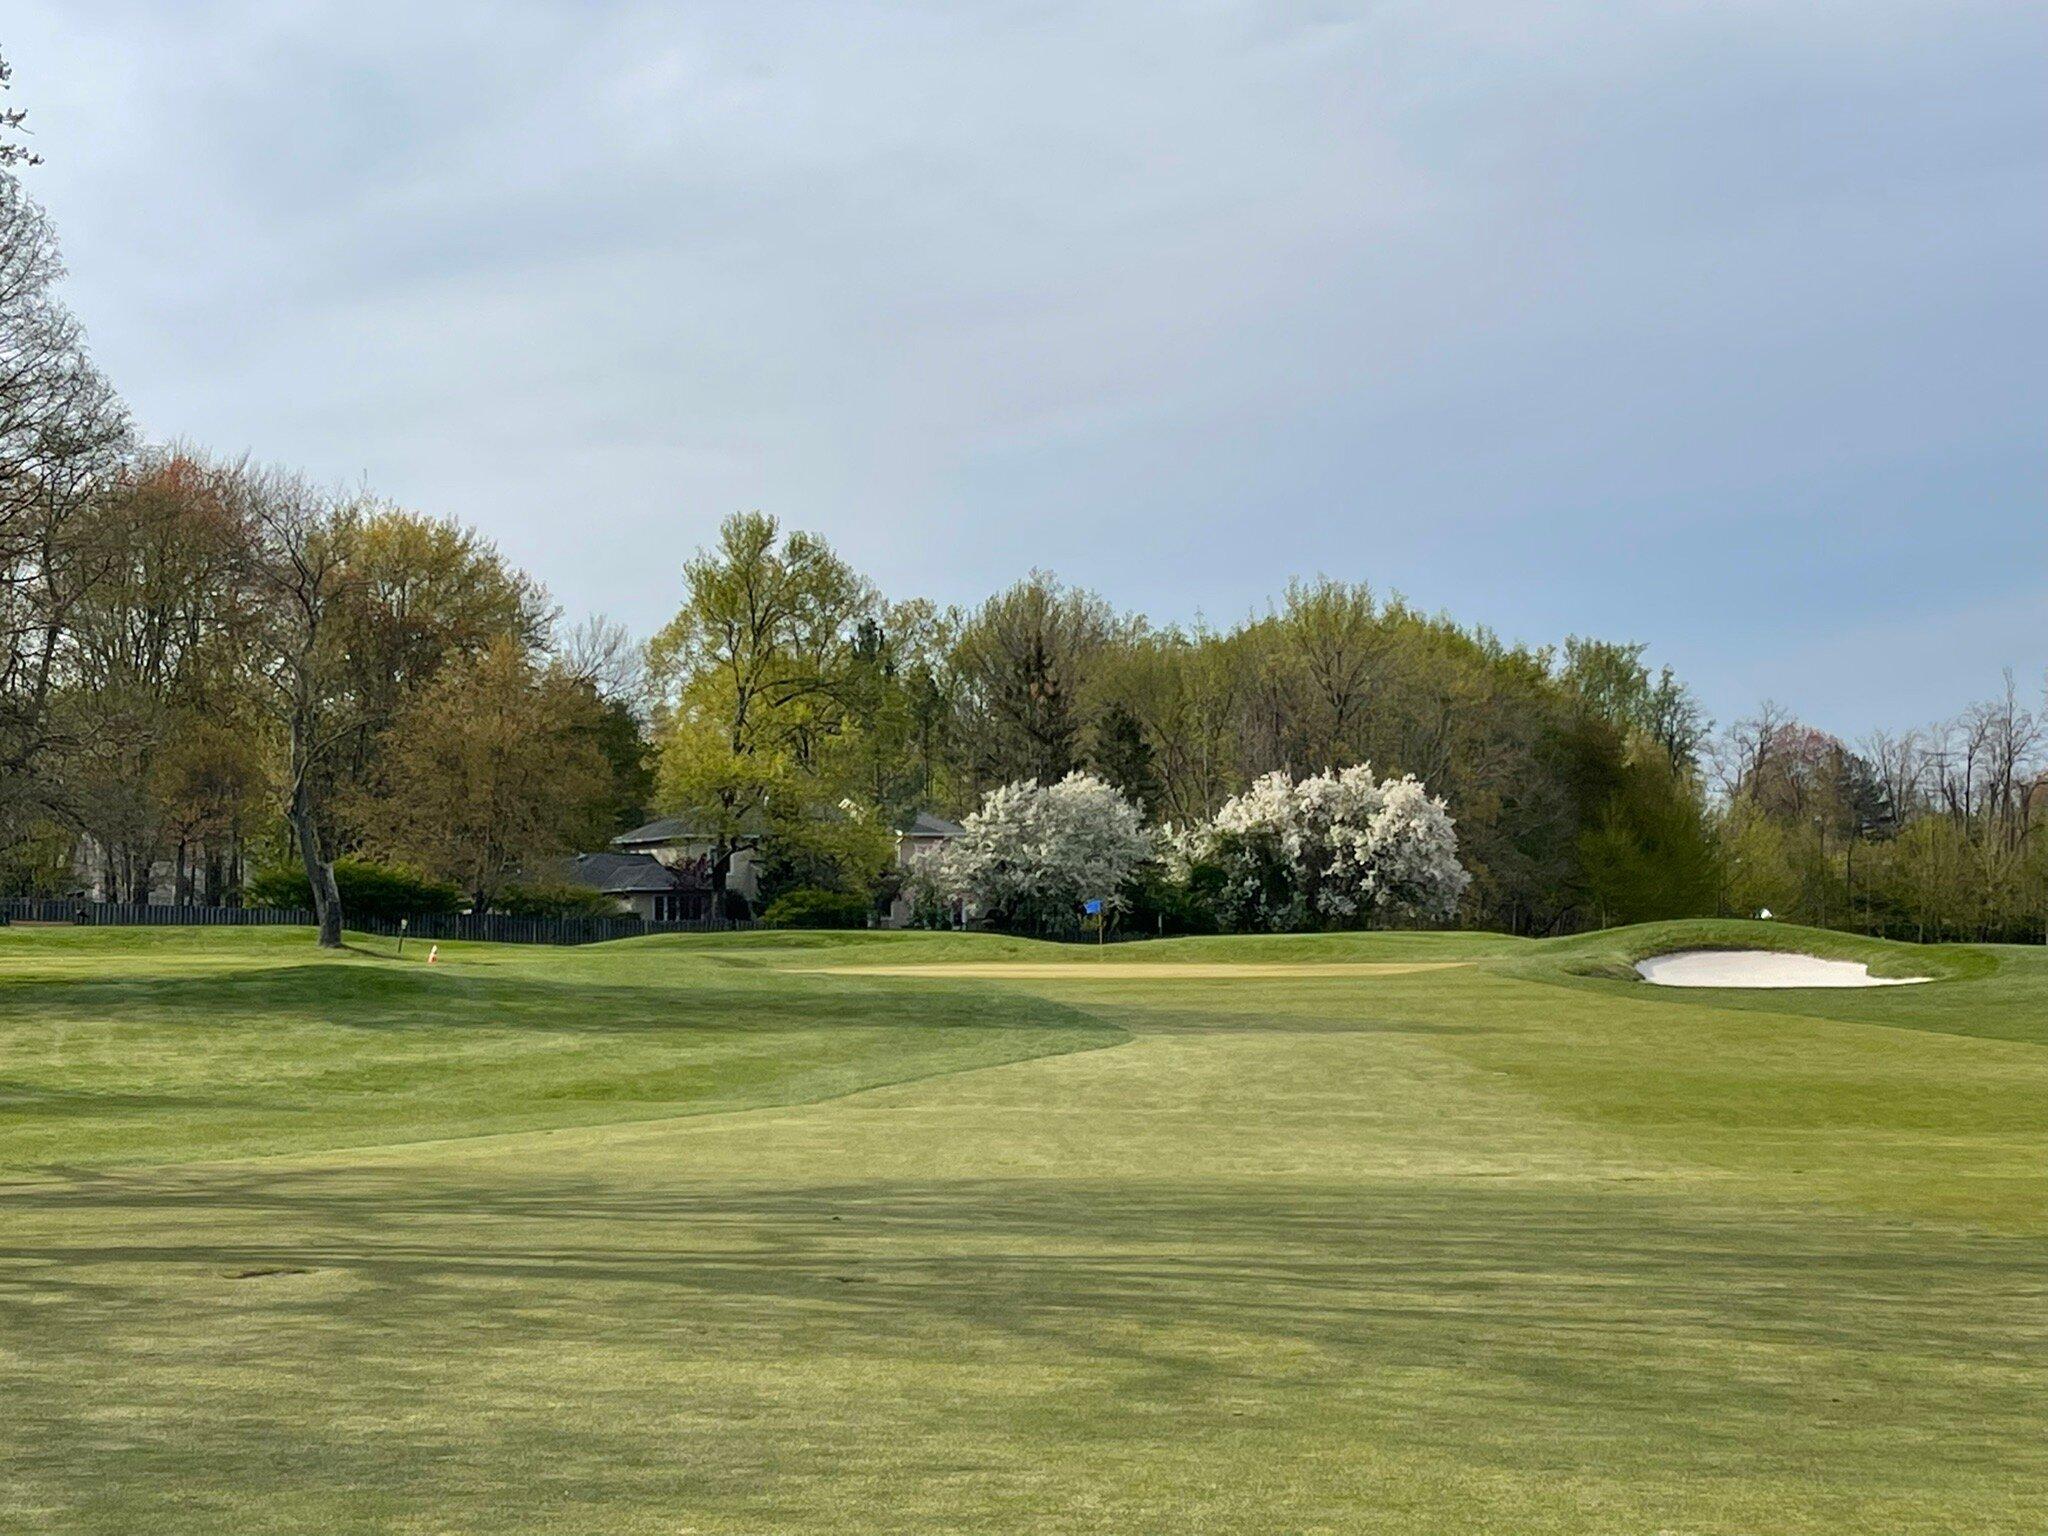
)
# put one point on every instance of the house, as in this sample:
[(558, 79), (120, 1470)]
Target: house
[(684, 852), (918, 839), (641, 884), (190, 873), (922, 835), (680, 848)]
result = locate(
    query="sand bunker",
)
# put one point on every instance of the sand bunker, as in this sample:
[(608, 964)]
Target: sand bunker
[(1761, 968)]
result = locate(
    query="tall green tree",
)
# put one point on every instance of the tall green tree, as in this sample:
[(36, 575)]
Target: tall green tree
[(1652, 853), (1121, 755), (755, 672), (1025, 660), (1188, 694), (1613, 681), (1327, 663), (897, 744), (153, 702), (424, 593), (492, 767), (296, 544)]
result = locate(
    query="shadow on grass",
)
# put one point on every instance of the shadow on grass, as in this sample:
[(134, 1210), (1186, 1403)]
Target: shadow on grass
[(1530, 1276), (372, 999), (30, 1098), (381, 1327)]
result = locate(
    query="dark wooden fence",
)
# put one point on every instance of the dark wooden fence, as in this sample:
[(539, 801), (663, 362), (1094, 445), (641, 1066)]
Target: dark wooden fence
[(488, 927), (137, 914)]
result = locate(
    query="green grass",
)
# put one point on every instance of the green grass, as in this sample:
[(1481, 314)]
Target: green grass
[(173, 1046), (675, 1235)]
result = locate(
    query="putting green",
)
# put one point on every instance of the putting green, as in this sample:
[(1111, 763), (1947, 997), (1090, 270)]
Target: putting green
[(678, 1235)]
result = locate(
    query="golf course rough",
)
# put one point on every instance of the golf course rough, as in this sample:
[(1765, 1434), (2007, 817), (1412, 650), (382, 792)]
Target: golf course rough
[(795, 1233)]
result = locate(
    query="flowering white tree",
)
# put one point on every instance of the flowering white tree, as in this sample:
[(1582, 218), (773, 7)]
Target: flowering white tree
[(1412, 847), (1034, 852), (933, 903), (1326, 851)]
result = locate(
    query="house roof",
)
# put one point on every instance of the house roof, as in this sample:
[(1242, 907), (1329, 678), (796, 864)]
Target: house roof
[(619, 874), (663, 829), (925, 824)]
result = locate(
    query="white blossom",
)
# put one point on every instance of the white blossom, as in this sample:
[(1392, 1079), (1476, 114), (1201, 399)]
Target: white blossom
[(1033, 853), (1321, 852)]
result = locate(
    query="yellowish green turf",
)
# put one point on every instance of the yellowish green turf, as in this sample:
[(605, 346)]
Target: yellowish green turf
[(917, 1233)]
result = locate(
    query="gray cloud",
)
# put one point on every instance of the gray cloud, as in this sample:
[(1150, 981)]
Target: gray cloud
[(1715, 326)]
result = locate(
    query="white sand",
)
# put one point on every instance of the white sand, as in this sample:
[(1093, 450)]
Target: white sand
[(1761, 968)]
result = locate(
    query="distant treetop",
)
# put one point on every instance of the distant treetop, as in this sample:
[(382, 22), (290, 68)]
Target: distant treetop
[(12, 151)]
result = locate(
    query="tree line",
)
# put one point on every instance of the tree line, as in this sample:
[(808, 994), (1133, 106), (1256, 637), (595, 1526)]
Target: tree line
[(1934, 833), (1586, 787), (788, 683)]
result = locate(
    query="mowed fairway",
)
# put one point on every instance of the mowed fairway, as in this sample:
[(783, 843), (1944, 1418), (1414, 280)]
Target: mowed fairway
[(1418, 1233)]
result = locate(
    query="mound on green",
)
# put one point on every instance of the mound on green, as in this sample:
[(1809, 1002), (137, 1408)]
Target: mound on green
[(678, 1234), (148, 1046)]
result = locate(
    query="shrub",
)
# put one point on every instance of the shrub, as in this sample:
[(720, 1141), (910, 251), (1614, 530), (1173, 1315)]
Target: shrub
[(544, 899), (1161, 904), (38, 863), (848, 849), (810, 907), (368, 889)]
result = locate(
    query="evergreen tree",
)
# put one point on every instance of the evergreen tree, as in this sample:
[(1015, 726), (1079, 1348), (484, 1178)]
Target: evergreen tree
[(1124, 757)]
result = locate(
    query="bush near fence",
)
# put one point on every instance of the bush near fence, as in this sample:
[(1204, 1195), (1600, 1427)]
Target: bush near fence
[(486, 927)]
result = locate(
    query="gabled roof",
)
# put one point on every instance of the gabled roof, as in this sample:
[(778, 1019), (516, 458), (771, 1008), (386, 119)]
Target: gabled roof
[(660, 831), (664, 830), (619, 874)]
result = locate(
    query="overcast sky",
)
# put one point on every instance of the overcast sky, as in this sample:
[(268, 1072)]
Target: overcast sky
[(1720, 326)]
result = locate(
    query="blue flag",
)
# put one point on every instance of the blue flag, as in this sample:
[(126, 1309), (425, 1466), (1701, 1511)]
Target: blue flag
[(1092, 908)]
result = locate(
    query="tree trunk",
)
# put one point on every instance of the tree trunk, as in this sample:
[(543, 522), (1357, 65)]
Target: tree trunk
[(720, 871), (319, 873)]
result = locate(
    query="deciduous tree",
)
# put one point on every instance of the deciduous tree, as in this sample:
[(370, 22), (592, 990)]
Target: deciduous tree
[(295, 559), (754, 671), (492, 767), (1024, 662), (62, 435)]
